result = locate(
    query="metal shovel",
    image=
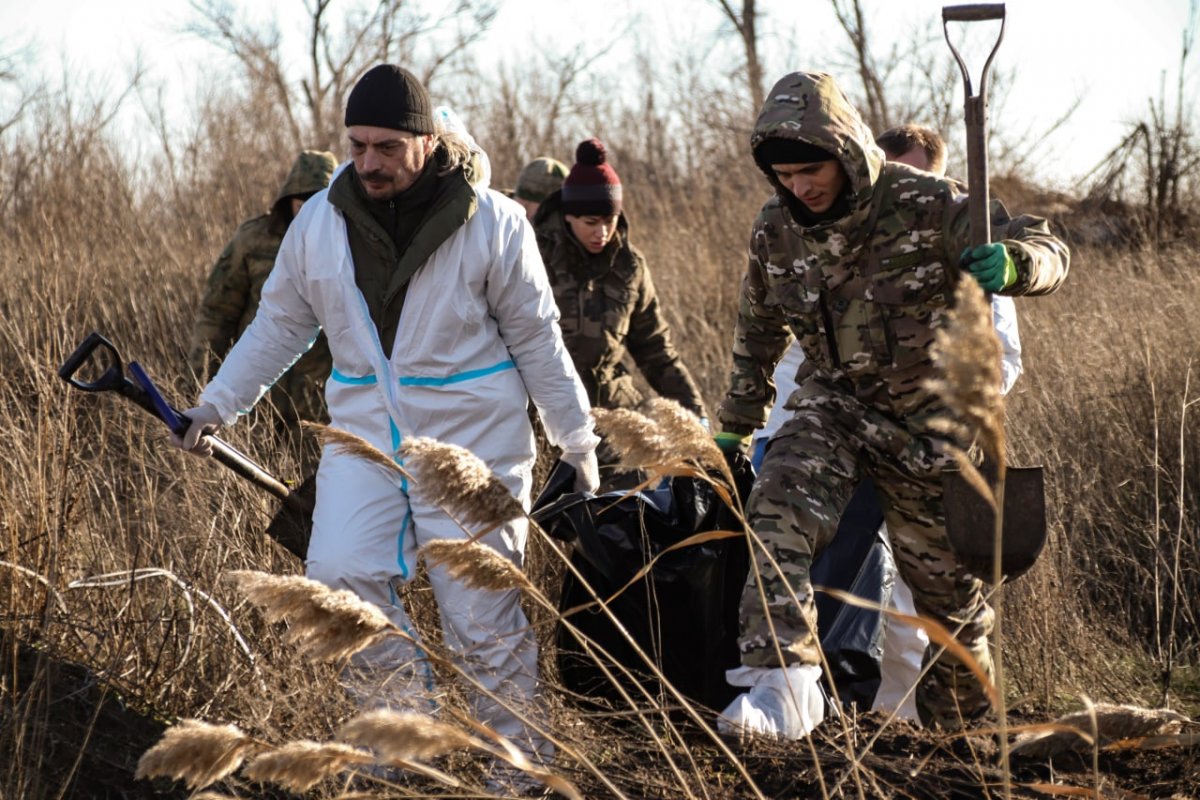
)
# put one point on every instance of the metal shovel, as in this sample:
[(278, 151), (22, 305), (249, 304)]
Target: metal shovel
[(970, 518), (99, 357)]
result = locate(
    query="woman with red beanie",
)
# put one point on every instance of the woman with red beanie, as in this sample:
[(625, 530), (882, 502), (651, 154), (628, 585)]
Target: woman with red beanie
[(604, 292)]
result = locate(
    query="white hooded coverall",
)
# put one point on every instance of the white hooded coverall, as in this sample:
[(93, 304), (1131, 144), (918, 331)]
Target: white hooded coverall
[(477, 337)]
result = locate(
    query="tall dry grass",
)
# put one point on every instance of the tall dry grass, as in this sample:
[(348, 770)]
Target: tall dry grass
[(113, 544)]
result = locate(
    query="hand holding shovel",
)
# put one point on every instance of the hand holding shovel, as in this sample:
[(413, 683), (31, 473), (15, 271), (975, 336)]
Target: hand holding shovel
[(99, 357)]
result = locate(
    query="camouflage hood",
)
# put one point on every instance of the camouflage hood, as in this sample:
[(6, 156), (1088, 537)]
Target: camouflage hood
[(309, 174), (810, 107)]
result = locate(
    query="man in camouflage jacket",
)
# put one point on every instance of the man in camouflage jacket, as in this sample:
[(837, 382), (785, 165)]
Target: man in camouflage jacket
[(235, 285), (857, 258)]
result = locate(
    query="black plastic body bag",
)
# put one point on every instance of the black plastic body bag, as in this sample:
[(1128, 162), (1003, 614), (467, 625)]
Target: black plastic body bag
[(684, 613)]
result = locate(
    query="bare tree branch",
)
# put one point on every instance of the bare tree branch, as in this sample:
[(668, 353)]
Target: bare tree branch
[(850, 16), (745, 22), (337, 55)]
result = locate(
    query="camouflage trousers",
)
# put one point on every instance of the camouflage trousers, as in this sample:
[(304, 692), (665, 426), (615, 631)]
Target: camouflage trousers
[(297, 397), (807, 478)]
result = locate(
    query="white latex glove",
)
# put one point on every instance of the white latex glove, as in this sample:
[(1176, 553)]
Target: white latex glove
[(587, 470), (205, 420)]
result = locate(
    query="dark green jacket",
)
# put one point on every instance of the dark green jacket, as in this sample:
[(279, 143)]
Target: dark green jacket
[(609, 308), (390, 241)]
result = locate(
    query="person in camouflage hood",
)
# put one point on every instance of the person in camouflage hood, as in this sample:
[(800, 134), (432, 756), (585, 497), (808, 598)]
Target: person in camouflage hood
[(605, 295), (857, 259), (235, 286), (538, 180)]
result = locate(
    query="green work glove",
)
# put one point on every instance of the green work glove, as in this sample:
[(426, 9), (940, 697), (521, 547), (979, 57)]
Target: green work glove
[(991, 265), (732, 442)]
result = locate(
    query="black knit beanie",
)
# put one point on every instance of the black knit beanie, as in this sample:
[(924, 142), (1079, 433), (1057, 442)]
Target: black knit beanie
[(789, 151), (388, 96)]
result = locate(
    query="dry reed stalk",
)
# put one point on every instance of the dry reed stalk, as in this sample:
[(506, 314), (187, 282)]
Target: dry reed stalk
[(475, 564), (968, 355), (298, 766), (196, 752), (405, 736), (325, 624), (1113, 723), (350, 444), (458, 480)]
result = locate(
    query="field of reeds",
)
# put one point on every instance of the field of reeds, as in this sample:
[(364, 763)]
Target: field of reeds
[(120, 620)]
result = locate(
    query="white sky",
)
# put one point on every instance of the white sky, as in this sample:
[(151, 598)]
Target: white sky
[(1112, 52)]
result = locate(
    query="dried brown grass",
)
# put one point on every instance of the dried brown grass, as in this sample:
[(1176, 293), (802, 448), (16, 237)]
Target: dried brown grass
[(300, 765), (405, 736), (477, 565), (91, 488), (1098, 726)]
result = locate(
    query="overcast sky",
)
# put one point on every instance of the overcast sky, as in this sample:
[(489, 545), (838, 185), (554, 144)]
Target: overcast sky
[(1110, 52)]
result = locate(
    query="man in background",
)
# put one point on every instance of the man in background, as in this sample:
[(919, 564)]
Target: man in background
[(235, 286), (538, 180)]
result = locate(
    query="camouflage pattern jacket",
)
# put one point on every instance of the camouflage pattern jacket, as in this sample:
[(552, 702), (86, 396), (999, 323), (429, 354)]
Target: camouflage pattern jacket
[(235, 285), (863, 294), (608, 308)]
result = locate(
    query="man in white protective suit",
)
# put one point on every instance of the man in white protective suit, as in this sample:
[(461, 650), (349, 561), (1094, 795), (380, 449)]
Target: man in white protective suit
[(432, 295)]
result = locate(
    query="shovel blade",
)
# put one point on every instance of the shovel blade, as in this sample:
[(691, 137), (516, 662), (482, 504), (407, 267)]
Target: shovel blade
[(291, 526), (971, 523)]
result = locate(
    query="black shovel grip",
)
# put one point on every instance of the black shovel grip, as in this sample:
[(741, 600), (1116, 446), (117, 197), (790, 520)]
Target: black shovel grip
[(112, 377), (973, 12), (114, 380)]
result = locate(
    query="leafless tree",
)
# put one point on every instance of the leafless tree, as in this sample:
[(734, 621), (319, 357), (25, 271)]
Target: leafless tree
[(1158, 161), (424, 36), (11, 57), (872, 73), (745, 22)]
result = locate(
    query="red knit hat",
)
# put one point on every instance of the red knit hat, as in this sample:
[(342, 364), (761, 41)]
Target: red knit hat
[(592, 188)]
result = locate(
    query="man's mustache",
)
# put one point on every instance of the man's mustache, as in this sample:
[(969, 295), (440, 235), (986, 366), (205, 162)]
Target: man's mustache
[(377, 175)]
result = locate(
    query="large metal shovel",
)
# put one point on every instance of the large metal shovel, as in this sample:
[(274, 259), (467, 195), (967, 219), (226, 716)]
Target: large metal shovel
[(970, 518), (97, 358)]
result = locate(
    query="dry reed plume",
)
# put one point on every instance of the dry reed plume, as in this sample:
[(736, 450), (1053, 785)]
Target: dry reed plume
[(968, 355), (458, 480), (298, 766), (684, 433), (404, 736), (196, 752), (353, 445), (1110, 723), (661, 441), (476, 565), (324, 624)]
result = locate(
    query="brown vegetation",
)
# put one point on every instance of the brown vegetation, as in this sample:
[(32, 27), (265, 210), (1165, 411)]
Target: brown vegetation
[(113, 546)]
